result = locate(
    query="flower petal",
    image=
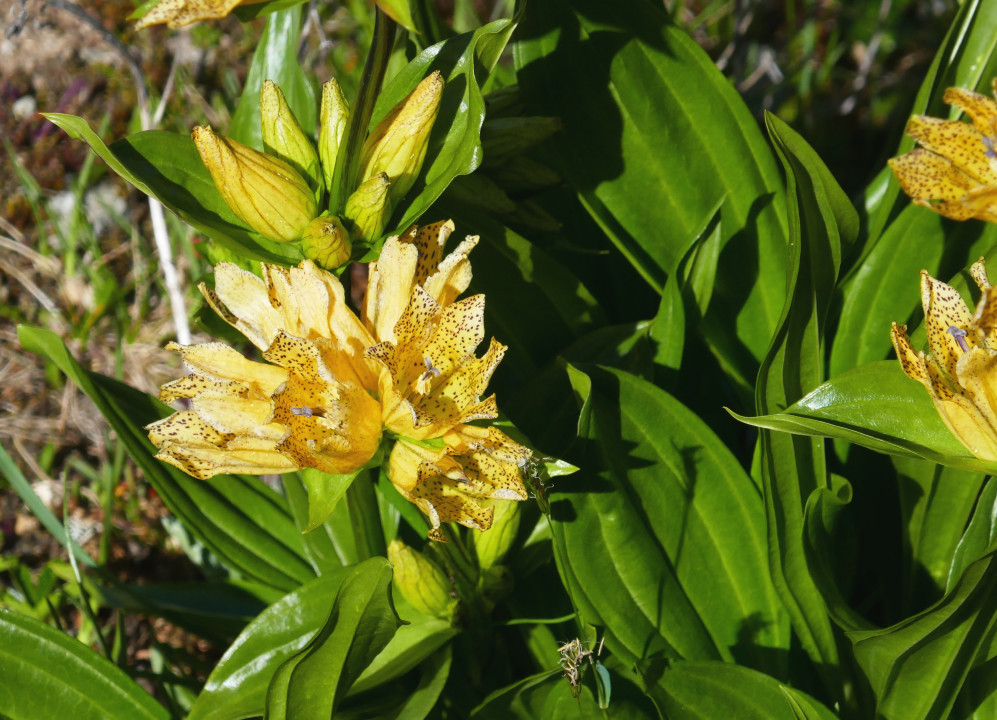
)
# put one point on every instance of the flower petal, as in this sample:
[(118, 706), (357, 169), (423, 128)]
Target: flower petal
[(958, 142), (943, 309), (933, 181), (177, 13), (220, 362), (980, 108), (389, 288)]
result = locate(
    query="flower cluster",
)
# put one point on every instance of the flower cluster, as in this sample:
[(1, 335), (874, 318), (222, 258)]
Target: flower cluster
[(334, 384), (960, 371)]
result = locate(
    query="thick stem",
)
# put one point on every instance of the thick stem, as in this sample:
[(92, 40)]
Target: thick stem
[(348, 160), (365, 516)]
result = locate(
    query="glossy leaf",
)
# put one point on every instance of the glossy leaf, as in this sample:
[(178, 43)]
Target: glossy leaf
[(324, 493), (245, 523), (311, 683), (709, 690), (455, 143), (980, 536), (629, 84), (46, 673), (821, 223), (166, 166), (879, 407), (917, 667), (633, 540), (276, 58)]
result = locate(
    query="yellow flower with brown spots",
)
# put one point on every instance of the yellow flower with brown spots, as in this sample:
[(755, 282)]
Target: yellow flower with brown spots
[(960, 371), (177, 13), (309, 405), (433, 382), (954, 171)]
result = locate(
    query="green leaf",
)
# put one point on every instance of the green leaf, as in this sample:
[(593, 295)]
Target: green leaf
[(49, 674), (821, 221), (435, 671), (167, 166), (455, 143), (632, 541), (276, 58), (362, 622), (242, 521), (917, 667), (709, 690), (980, 535), (879, 407), (324, 493), (936, 503), (883, 289), (629, 84)]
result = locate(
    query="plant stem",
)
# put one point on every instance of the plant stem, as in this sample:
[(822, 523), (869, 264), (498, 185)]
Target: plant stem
[(365, 516), (348, 160)]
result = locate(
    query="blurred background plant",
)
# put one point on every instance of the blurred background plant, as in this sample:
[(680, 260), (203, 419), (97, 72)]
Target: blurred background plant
[(77, 254)]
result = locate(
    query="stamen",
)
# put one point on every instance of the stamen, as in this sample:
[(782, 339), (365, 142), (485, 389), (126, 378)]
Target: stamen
[(988, 143), (960, 337), (303, 411), (430, 370)]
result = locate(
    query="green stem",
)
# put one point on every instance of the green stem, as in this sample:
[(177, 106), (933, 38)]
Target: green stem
[(365, 517), (344, 179)]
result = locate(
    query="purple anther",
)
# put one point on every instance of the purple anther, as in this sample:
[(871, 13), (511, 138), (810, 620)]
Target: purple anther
[(988, 143), (960, 337), (431, 371), (306, 411)]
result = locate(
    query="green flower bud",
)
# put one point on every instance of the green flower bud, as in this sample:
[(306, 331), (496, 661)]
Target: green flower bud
[(369, 209), (263, 191), (397, 146), (333, 116), (283, 136), (491, 545), (326, 242), (421, 581)]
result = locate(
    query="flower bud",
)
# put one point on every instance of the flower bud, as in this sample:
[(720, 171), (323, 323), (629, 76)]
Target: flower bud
[(421, 581), (397, 146), (283, 136), (326, 242), (263, 191), (333, 116), (369, 209), (491, 545)]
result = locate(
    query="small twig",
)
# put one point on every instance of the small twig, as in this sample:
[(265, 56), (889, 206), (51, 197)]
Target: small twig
[(36, 292)]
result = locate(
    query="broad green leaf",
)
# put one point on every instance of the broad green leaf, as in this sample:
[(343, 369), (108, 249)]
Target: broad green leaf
[(242, 521), (548, 695), (46, 673), (709, 690), (977, 699), (936, 503), (884, 289), (166, 166), (455, 143), (879, 407), (633, 541), (331, 545), (821, 222), (15, 478), (213, 610), (980, 535), (310, 684), (237, 686), (411, 645), (276, 58), (629, 84), (917, 667)]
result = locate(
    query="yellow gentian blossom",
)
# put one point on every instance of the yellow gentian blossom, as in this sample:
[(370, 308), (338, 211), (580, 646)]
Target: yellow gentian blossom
[(332, 383), (960, 371), (954, 171), (177, 13), (433, 381), (309, 405)]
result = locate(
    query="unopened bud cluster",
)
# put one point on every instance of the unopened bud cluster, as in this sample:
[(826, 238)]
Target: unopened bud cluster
[(279, 193)]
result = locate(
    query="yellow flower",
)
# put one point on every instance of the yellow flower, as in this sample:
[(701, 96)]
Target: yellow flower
[(433, 381), (954, 172), (309, 405), (177, 13), (960, 371)]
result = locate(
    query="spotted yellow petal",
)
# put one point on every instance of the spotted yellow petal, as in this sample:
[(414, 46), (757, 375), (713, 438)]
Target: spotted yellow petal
[(220, 362), (944, 312), (177, 13), (389, 288), (958, 142), (981, 109), (933, 181)]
